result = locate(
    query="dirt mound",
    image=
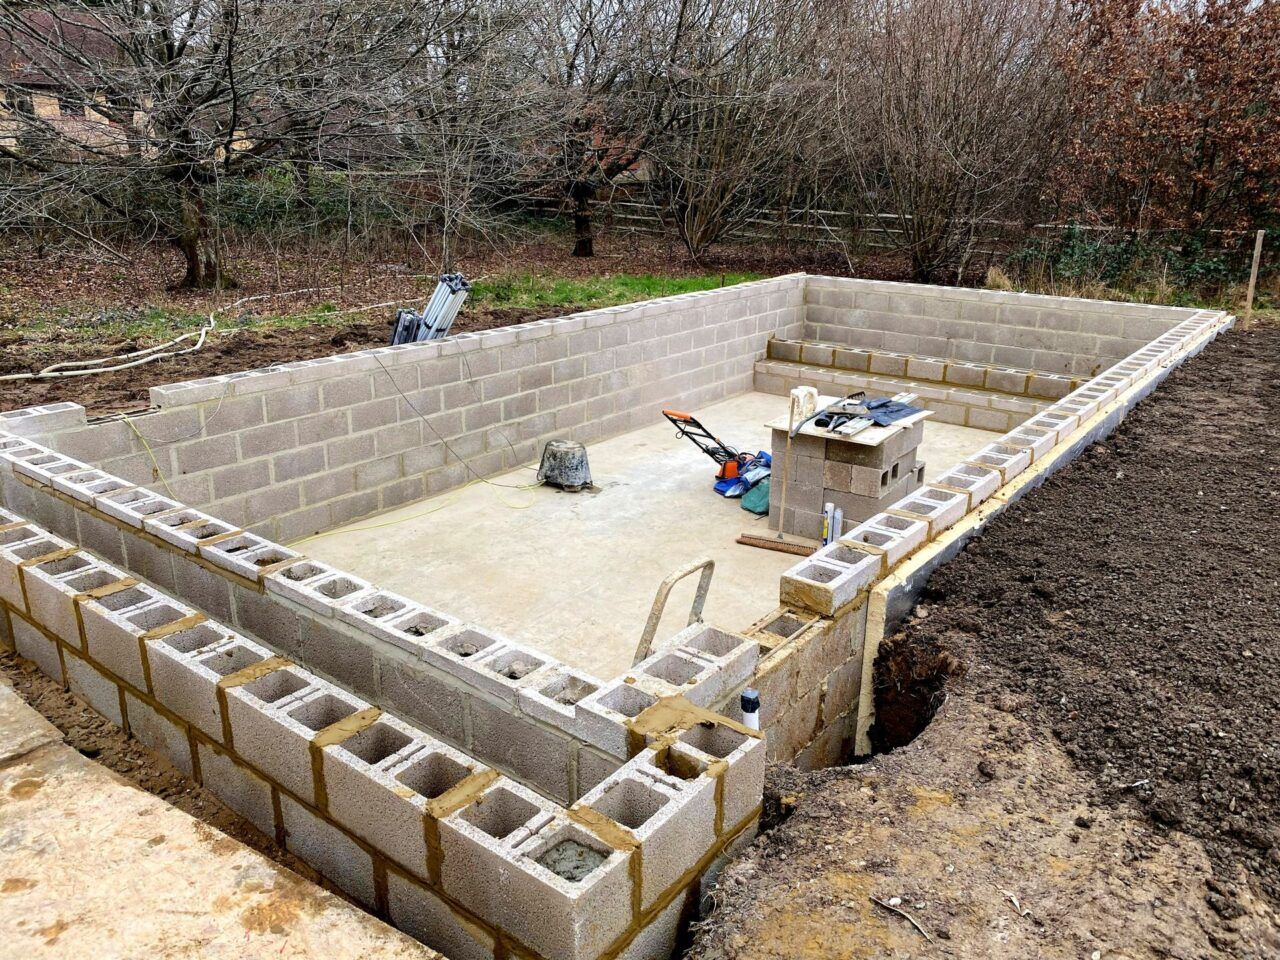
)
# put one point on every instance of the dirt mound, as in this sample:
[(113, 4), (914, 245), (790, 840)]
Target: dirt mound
[(1102, 780)]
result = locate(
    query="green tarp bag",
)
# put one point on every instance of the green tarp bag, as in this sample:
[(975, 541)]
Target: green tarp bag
[(756, 499)]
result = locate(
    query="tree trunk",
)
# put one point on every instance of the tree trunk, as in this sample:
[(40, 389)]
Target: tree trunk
[(198, 244), (583, 242)]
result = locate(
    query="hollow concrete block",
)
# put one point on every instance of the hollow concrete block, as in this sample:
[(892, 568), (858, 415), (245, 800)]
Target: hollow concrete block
[(379, 782), (183, 682), (417, 911), (557, 909), (829, 579), (478, 840), (52, 589), (329, 850), (102, 694), (113, 639), (237, 786), (276, 736)]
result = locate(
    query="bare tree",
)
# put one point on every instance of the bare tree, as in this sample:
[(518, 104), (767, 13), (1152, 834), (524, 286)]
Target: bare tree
[(153, 104), (604, 65), (945, 114), (741, 106)]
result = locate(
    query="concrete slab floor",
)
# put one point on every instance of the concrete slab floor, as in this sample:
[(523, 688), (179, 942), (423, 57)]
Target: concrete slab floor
[(575, 574)]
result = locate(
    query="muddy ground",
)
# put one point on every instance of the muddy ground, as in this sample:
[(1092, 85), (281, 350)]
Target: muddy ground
[(88, 297), (1101, 779)]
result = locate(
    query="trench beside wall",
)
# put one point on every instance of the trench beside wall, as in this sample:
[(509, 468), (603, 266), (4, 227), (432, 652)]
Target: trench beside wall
[(289, 451)]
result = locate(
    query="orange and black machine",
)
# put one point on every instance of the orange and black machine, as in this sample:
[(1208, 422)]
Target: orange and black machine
[(728, 460)]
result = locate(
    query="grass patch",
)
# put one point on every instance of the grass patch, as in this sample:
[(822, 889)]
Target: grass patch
[(533, 291)]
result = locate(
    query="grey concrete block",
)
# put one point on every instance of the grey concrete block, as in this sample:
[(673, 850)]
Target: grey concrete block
[(238, 787), (329, 850)]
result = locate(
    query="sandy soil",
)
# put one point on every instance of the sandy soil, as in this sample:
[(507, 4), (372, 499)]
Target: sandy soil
[(1100, 780)]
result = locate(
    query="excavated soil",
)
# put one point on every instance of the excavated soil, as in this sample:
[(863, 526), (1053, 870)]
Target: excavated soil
[(1100, 779)]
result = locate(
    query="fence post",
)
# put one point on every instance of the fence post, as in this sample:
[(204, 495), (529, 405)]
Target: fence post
[(1253, 278)]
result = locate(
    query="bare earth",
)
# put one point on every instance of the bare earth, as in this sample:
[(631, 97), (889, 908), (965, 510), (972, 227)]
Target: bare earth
[(1101, 778)]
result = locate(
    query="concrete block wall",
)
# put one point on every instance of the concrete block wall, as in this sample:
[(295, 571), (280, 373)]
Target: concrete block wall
[(813, 669), (1065, 336), (444, 846), (291, 450), (955, 392), (555, 729)]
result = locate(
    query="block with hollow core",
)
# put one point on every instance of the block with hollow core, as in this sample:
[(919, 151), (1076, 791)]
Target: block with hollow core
[(134, 506), (569, 894), (1009, 461), (477, 842), (16, 544), (978, 483), (894, 537), (183, 674), (320, 588), (379, 782), (672, 818), (733, 658), (740, 759), (603, 716), (237, 786), (115, 624), (184, 528), (274, 719), (1038, 441), (554, 698), (52, 588), (1063, 425), (829, 579), (941, 508), (503, 671)]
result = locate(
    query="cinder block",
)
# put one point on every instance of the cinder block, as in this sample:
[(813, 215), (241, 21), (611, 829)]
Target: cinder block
[(1010, 461), (979, 483), (329, 850), (673, 820), (417, 693), (159, 733), (536, 754), (424, 916), (1038, 441), (378, 784), (238, 787), (744, 763), (569, 894), (52, 588), (895, 537), (275, 718), (114, 626), (554, 698), (35, 646), (830, 579), (477, 844), (983, 418), (182, 677), (604, 715), (733, 658), (941, 508)]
